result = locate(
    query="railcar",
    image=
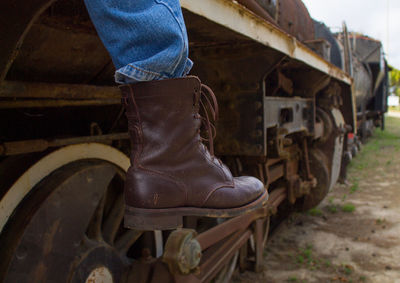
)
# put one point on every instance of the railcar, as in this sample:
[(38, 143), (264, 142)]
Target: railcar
[(285, 115)]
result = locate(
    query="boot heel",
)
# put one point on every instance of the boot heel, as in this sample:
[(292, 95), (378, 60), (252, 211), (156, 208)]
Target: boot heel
[(150, 221)]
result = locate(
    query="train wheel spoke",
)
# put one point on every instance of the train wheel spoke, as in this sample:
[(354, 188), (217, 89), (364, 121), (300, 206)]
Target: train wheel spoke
[(113, 220), (126, 240), (94, 228)]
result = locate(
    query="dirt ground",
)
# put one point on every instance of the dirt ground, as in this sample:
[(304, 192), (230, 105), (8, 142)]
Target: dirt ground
[(354, 234)]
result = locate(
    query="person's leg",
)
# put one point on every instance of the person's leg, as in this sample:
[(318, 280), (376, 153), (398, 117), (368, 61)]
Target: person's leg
[(172, 174), (147, 39)]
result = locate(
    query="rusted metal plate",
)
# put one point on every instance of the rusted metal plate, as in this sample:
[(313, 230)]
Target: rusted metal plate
[(16, 17), (33, 95), (290, 15), (18, 89), (294, 18), (29, 146), (242, 21)]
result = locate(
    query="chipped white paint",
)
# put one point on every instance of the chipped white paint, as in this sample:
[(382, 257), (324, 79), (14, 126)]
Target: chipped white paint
[(237, 18), (100, 275)]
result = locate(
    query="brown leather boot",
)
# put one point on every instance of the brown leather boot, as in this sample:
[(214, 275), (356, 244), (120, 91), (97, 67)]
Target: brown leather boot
[(172, 173)]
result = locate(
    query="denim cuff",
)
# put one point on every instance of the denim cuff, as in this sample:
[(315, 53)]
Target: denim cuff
[(188, 67), (131, 74)]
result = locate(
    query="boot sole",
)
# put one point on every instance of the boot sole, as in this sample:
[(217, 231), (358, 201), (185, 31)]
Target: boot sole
[(172, 218)]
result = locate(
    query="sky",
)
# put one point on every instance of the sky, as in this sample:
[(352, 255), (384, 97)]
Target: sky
[(379, 19)]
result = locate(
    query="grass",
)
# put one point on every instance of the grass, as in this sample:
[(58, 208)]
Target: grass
[(367, 158), (380, 221), (394, 108), (305, 257), (347, 270), (348, 207), (332, 208), (354, 187), (363, 278), (315, 212)]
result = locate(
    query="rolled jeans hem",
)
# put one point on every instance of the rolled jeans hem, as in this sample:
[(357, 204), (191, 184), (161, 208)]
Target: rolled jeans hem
[(132, 74)]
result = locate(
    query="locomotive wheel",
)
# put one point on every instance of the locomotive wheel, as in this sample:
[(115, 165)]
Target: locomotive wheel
[(68, 227), (318, 163)]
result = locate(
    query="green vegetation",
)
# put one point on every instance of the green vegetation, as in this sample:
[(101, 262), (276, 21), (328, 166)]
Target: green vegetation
[(347, 270), (354, 187), (394, 76), (332, 208), (367, 157), (305, 256), (315, 212), (380, 221), (328, 263), (348, 207)]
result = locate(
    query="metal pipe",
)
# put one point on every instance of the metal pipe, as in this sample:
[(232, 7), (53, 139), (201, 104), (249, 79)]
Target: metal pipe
[(29, 146)]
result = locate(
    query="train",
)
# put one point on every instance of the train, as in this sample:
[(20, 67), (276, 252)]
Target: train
[(296, 101)]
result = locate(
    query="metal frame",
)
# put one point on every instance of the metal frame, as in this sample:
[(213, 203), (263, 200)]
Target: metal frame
[(237, 18)]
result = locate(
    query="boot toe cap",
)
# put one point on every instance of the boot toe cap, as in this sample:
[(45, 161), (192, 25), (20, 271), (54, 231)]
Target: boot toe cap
[(246, 190)]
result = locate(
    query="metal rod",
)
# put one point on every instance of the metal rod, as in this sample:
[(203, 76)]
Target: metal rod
[(55, 103), (18, 89), (29, 146), (218, 233), (219, 258)]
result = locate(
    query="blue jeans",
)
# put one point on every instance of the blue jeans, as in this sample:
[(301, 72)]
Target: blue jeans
[(147, 39)]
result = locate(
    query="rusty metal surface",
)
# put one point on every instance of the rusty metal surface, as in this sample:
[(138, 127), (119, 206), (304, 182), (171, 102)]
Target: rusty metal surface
[(18, 89), (74, 226), (290, 15), (259, 8), (225, 252), (182, 252), (16, 18), (29, 146), (53, 53), (219, 244), (294, 18), (270, 6), (239, 44), (232, 16), (47, 103), (320, 46)]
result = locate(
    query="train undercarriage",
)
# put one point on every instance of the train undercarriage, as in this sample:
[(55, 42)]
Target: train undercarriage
[(284, 118)]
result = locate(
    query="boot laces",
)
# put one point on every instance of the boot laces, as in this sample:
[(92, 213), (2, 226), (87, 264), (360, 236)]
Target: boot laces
[(209, 109)]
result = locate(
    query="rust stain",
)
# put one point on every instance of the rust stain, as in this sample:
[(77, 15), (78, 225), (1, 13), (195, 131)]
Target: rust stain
[(39, 273)]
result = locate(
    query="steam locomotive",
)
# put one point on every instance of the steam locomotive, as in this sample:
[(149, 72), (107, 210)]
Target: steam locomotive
[(295, 99)]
